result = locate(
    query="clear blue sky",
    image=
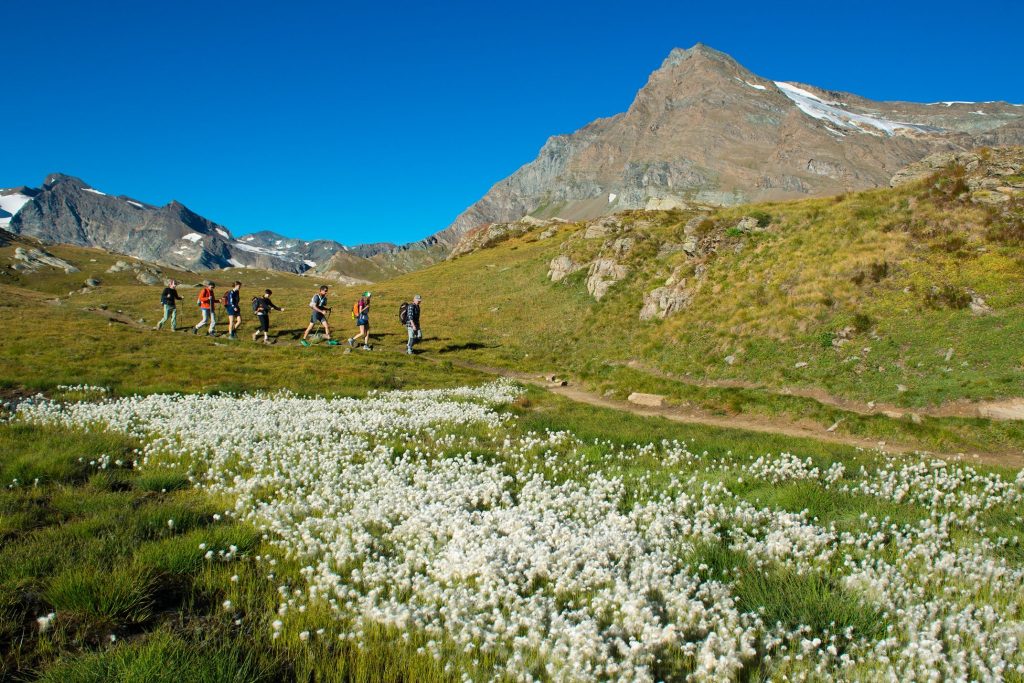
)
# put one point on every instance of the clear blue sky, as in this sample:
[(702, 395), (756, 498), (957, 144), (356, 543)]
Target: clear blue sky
[(383, 121)]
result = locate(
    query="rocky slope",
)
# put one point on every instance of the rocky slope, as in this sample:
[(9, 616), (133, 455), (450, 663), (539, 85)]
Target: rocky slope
[(66, 210), (706, 130)]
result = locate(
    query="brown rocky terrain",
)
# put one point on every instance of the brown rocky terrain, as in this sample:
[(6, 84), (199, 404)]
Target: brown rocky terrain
[(706, 130)]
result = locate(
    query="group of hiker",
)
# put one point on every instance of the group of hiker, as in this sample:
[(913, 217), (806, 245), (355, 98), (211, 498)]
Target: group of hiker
[(320, 312)]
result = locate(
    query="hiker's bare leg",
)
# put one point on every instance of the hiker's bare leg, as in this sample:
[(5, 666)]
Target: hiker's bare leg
[(327, 331), (309, 328)]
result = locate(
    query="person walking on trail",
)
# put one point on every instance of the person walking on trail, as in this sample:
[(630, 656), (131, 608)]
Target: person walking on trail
[(319, 315), (231, 306), (361, 312), (207, 301), (170, 298), (409, 315), (261, 306)]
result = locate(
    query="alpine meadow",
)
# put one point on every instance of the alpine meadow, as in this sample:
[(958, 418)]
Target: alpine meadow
[(726, 387)]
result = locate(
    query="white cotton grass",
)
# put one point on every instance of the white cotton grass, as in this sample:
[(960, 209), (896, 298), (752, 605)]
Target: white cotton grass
[(44, 622), (424, 512)]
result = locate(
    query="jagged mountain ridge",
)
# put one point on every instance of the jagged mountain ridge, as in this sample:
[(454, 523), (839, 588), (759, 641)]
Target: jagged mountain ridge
[(67, 210), (706, 130)]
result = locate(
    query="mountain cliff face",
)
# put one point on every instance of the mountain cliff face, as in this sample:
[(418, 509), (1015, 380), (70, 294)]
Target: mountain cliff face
[(705, 130)]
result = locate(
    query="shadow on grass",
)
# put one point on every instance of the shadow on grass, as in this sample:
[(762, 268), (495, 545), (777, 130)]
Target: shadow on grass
[(468, 346)]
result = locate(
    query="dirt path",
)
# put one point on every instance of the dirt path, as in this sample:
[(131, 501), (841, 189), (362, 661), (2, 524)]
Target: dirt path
[(752, 423), (1006, 409)]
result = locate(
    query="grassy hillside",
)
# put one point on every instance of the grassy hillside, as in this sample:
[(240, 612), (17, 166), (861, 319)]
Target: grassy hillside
[(888, 275)]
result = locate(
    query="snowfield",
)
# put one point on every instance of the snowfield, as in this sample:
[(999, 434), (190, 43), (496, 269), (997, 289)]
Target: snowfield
[(427, 511), (11, 204), (814, 106)]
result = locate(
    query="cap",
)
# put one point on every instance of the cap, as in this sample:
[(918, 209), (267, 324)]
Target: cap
[(367, 294), (417, 298)]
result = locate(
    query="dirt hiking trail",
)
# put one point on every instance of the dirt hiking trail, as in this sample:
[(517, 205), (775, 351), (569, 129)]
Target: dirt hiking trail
[(752, 423)]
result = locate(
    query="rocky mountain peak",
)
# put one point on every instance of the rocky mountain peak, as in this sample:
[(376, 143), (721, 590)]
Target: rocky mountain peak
[(55, 179), (706, 130)]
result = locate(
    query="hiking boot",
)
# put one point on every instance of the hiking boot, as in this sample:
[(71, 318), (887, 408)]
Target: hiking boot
[(232, 336), (351, 341), (408, 351), (367, 347), (211, 334), (195, 330)]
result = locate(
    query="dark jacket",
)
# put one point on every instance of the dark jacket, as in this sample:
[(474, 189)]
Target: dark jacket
[(170, 296), (263, 306)]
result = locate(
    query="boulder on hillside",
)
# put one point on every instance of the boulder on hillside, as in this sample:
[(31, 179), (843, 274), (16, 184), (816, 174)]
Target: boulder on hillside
[(602, 228), (119, 267), (148, 278), (561, 267), (33, 259), (932, 164), (604, 272), (665, 301)]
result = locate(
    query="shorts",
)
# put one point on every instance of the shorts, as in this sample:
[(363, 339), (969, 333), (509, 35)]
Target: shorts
[(232, 310), (363, 320), (264, 321), (317, 317)]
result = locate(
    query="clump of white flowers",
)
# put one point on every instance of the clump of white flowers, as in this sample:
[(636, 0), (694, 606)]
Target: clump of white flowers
[(424, 511)]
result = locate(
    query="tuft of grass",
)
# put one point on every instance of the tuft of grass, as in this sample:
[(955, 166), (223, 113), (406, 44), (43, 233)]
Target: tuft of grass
[(122, 595)]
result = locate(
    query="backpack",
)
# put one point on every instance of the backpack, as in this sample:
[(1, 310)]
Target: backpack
[(403, 313), (355, 310), (204, 295), (256, 304), (224, 300)]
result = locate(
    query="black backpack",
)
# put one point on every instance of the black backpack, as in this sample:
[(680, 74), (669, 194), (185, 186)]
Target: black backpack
[(403, 313), (256, 303)]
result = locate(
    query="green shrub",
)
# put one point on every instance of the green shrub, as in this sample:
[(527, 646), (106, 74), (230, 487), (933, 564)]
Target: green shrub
[(948, 296), (763, 218)]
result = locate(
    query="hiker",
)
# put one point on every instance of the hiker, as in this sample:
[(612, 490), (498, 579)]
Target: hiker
[(319, 315), (169, 298), (261, 306), (361, 312), (207, 301), (409, 315), (231, 302)]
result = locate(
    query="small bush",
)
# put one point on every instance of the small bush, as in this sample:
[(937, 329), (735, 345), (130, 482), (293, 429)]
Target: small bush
[(948, 296), (763, 218), (863, 322), (879, 271)]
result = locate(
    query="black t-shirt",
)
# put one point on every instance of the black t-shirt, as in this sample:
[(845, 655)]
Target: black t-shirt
[(264, 305), (413, 314), (169, 296)]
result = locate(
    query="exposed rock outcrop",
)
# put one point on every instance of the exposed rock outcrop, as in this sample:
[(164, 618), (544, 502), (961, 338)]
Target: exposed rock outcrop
[(32, 260), (706, 130), (603, 273)]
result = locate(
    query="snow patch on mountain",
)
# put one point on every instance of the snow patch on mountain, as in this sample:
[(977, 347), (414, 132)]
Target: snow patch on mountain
[(223, 233), (193, 237), (259, 250), (11, 204), (814, 106), (89, 189), (311, 264), (135, 204)]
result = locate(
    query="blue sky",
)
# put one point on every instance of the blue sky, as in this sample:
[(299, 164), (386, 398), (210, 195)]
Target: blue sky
[(383, 121)]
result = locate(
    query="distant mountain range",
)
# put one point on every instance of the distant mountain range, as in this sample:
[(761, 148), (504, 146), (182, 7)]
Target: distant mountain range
[(703, 130), (67, 210)]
